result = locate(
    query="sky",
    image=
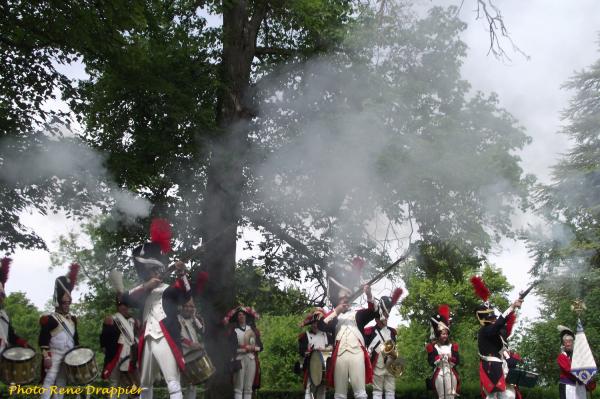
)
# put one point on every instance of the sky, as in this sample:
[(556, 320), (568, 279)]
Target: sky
[(560, 37)]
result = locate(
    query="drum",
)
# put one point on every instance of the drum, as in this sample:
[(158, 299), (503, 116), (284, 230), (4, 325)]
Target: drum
[(522, 378), (317, 366), (18, 366), (198, 367), (128, 378), (80, 366)]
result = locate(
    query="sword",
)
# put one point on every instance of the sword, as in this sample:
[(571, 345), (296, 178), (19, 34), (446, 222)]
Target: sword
[(378, 277)]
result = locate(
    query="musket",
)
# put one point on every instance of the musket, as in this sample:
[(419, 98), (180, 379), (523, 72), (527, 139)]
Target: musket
[(524, 293), (378, 277)]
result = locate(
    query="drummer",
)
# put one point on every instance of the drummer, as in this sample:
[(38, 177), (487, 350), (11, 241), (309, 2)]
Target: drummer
[(192, 332), (118, 341), (314, 340), (7, 333), (58, 334)]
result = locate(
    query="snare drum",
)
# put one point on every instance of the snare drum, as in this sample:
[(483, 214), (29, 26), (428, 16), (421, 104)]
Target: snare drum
[(80, 366), (127, 378), (18, 366), (317, 367), (198, 367)]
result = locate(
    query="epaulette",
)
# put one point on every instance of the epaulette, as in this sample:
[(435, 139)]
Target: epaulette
[(429, 348), (369, 330), (108, 320), (455, 346), (44, 320)]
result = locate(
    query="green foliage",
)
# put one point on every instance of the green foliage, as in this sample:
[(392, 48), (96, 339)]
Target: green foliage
[(24, 316), (263, 292), (440, 274), (568, 250), (38, 41), (280, 339)]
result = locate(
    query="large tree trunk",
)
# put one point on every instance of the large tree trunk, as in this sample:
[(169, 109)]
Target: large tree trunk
[(225, 182)]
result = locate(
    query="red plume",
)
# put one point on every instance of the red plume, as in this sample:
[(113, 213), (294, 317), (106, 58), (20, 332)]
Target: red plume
[(444, 311), (480, 289), (201, 279), (73, 270), (4, 270), (396, 295), (160, 233), (358, 263), (510, 323)]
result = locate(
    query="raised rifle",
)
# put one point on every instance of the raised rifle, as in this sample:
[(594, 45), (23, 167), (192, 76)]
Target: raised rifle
[(356, 294)]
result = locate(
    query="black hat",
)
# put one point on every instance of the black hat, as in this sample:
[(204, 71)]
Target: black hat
[(147, 257), (386, 303), (565, 331), (315, 315), (484, 312), (153, 255), (344, 279), (65, 284), (441, 320)]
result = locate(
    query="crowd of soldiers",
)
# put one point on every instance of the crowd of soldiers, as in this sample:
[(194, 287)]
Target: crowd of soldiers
[(338, 348)]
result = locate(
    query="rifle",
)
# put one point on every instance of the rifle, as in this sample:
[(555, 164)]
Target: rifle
[(378, 277), (526, 291)]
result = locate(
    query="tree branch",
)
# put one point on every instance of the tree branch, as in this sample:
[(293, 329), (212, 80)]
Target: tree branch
[(297, 245), (262, 51)]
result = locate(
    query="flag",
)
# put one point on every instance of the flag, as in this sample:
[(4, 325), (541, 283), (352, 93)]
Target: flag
[(583, 366)]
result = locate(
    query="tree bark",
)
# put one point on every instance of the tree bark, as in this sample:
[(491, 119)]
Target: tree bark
[(225, 181)]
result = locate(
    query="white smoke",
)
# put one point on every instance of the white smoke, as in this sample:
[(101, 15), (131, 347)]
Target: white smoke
[(78, 168)]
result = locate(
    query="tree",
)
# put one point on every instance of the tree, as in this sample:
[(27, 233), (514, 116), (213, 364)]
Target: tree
[(567, 258), (194, 118), (440, 275), (38, 40), (24, 317)]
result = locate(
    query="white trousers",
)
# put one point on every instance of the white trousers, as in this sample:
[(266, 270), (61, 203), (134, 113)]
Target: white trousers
[(383, 382), (350, 366), (157, 356), (55, 375), (244, 378), (575, 391), (499, 395), (445, 385), (320, 392)]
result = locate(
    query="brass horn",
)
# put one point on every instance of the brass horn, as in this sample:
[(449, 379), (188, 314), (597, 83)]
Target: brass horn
[(394, 364)]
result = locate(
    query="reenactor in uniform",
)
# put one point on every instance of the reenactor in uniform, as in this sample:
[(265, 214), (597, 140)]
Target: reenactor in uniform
[(378, 339), (7, 333), (443, 356), (308, 342), (493, 365), (569, 387), (245, 344), (350, 360), (192, 333), (118, 340), (159, 348), (58, 333)]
